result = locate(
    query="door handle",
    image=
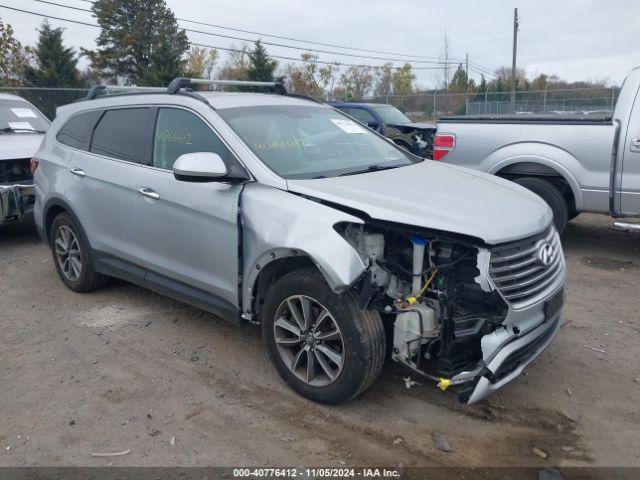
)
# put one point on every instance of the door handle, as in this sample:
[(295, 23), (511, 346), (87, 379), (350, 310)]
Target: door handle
[(147, 192), (78, 172), (635, 144)]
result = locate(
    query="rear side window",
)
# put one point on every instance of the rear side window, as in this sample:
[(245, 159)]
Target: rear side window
[(123, 134), (179, 132), (76, 132)]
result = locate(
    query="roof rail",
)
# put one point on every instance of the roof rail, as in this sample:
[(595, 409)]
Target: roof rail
[(183, 82), (96, 90)]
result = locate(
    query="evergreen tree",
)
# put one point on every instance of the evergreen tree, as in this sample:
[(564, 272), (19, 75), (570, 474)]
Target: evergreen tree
[(261, 66), (53, 65), (139, 41)]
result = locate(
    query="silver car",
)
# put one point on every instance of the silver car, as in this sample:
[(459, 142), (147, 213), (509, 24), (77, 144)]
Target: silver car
[(22, 127), (277, 210)]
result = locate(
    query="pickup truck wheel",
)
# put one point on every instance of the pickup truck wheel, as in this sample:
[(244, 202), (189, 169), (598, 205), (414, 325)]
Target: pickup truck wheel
[(551, 195), (71, 256), (322, 344)]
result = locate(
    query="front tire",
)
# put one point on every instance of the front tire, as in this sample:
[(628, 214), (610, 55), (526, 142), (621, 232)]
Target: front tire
[(71, 256), (551, 195), (322, 344)]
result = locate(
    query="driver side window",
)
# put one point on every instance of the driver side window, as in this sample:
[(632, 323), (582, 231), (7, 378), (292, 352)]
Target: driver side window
[(362, 115), (178, 132)]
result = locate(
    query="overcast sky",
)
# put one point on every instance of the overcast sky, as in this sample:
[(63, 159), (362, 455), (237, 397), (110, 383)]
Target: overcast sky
[(574, 39)]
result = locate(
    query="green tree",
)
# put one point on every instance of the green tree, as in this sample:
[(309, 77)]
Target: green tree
[(139, 42), (163, 66), (261, 66), (460, 82), (53, 64), (403, 80), (12, 58)]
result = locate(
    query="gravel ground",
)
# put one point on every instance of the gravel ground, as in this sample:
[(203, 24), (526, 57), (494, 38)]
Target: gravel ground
[(125, 369)]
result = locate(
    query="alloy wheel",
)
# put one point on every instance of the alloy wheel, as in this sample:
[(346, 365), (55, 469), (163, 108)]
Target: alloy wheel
[(309, 340), (67, 248)]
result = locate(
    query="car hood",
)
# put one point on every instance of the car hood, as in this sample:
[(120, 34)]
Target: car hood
[(414, 126), (19, 145), (437, 196)]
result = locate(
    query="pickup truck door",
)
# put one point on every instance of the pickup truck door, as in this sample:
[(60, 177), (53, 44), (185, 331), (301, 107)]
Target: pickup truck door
[(630, 184)]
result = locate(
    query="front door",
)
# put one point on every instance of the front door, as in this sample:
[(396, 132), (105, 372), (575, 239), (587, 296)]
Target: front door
[(188, 231), (630, 185)]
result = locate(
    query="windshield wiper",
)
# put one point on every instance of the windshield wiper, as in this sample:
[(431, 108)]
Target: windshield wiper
[(370, 168), (12, 130)]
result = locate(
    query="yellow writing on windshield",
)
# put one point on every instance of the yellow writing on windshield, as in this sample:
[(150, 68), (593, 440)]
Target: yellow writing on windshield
[(279, 144)]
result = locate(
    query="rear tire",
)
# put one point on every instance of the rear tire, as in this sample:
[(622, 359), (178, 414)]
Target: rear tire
[(551, 195), (360, 347), (72, 257)]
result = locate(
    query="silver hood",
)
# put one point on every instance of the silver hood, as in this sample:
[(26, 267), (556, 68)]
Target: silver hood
[(437, 196), (19, 145)]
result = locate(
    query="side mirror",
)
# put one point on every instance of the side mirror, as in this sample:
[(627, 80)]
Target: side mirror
[(200, 167), (373, 125)]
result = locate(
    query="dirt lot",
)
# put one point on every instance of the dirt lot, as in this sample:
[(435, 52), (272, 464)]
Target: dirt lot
[(123, 368)]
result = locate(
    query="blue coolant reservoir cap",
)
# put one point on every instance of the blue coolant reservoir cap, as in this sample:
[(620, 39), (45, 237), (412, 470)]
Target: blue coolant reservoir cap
[(418, 240)]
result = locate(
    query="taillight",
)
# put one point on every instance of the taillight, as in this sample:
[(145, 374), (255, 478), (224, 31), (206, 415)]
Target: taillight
[(443, 143), (33, 165)]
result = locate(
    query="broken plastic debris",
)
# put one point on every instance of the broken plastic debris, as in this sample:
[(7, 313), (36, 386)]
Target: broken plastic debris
[(111, 454), (408, 382)]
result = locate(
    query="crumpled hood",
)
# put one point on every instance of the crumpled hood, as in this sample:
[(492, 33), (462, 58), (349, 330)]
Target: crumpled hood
[(437, 196), (19, 145), (414, 126)]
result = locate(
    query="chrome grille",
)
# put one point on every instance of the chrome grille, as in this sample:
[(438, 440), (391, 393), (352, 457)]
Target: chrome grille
[(518, 269)]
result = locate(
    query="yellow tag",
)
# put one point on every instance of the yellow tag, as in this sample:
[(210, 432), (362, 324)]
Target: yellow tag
[(412, 300), (444, 383)]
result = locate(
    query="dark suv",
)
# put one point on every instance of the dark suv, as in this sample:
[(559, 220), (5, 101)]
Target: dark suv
[(393, 124)]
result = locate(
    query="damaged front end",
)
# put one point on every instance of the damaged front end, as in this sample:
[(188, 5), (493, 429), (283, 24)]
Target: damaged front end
[(16, 190), (417, 138), (461, 313)]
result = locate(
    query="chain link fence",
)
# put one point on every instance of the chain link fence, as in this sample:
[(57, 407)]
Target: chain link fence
[(432, 105), (419, 106), (47, 99)]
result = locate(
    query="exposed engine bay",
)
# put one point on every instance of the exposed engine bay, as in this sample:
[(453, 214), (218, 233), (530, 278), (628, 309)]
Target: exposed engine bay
[(431, 289)]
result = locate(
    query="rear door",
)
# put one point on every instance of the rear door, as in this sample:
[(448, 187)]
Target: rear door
[(188, 230), (102, 186), (630, 184)]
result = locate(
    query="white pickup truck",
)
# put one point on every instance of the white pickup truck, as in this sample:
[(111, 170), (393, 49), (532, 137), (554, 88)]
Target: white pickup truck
[(576, 164)]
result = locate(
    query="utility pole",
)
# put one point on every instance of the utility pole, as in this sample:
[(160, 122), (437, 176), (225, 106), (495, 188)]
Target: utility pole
[(513, 63), (466, 65)]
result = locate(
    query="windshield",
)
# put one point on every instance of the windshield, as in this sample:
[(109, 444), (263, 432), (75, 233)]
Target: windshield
[(312, 141), (390, 114), (21, 117)]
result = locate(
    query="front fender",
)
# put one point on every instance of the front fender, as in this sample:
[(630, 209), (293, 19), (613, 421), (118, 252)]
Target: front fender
[(557, 159), (278, 224)]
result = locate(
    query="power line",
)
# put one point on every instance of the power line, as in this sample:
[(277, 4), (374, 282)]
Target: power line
[(280, 45), (323, 62), (382, 52)]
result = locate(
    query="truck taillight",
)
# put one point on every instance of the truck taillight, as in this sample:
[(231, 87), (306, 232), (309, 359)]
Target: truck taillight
[(443, 143), (33, 165)]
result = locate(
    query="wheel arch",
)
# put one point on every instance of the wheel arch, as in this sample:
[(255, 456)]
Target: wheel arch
[(53, 207), (550, 163)]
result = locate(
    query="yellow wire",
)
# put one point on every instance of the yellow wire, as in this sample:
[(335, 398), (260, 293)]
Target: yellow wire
[(413, 300)]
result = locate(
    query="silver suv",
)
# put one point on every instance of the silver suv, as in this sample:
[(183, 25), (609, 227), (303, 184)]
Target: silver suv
[(277, 210)]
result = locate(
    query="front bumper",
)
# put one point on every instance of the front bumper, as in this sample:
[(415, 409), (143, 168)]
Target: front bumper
[(507, 351), (511, 360), (16, 202)]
